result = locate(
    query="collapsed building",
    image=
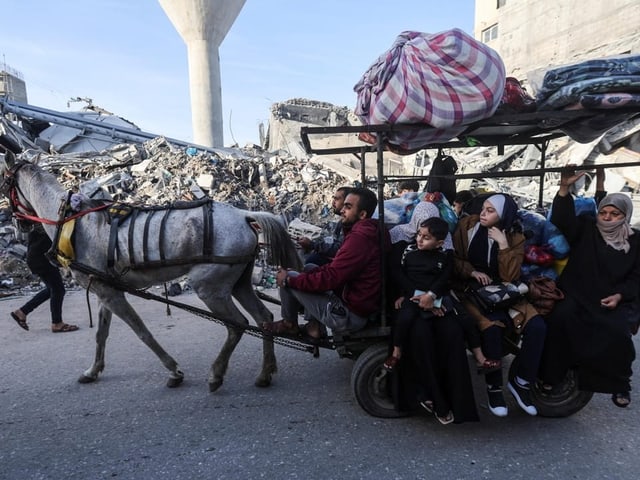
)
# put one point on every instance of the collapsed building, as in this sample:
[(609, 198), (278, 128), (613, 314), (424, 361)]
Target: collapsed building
[(94, 150), (158, 171)]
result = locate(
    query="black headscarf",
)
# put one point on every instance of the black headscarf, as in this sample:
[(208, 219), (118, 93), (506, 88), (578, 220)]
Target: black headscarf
[(479, 255)]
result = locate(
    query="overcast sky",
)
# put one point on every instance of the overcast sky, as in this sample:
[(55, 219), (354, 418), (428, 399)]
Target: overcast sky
[(127, 56)]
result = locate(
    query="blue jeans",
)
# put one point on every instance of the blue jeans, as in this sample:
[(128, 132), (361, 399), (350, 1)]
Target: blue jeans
[(54, 290)]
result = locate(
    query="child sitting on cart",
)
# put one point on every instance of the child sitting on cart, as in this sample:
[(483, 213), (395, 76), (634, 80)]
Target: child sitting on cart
[(421, 273)]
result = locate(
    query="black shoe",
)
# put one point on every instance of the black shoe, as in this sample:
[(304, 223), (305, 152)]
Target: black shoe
[(522, 394), (497, 405)]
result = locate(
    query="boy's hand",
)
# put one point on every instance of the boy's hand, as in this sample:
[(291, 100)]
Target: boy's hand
[(398, 303), (425, 301)]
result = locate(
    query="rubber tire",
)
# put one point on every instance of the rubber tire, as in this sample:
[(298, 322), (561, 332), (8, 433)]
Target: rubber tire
[(568, 401), (370, 383)]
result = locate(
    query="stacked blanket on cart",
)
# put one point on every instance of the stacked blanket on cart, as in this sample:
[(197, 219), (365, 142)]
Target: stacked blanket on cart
[(609, 85), (446, 80), (601, 83)]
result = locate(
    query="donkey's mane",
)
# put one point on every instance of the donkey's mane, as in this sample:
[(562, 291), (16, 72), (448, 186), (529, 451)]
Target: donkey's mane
[(38, 172)]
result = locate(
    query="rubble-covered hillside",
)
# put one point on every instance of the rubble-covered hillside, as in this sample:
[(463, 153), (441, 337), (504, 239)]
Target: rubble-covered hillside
[(285, 179), (156, 173)]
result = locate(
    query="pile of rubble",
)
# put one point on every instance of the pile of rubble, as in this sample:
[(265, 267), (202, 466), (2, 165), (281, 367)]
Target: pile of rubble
[(158, 173), (285, 180)]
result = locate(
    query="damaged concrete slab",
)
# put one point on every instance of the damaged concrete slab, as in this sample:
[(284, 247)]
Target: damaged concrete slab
[(280, 176)]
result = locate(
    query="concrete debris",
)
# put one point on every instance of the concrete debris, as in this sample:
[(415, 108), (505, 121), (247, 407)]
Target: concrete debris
[(284, 179), (159, 173)]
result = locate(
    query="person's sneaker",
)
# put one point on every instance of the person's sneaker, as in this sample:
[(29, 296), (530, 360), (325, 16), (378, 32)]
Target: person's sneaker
[(522, 394), (497, 405)]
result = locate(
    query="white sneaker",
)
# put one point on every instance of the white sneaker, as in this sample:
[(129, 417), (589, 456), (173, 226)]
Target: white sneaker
[(522, 394), (496, 403)]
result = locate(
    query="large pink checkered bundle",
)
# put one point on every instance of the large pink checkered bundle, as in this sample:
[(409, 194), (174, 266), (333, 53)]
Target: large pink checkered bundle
[(444, 80)]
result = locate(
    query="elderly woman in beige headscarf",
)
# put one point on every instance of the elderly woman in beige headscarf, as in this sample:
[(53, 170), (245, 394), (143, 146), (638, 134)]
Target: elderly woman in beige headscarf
[(591, 329)]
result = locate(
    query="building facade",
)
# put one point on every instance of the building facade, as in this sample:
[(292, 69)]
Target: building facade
[(12, 86), (531, 35)]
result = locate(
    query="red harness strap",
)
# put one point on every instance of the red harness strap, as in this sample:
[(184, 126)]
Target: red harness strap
[(15, 200)]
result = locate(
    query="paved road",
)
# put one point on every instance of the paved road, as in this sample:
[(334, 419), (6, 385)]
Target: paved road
[(128, 425)]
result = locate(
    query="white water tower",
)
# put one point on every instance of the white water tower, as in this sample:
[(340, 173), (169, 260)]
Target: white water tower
[(203, 24)]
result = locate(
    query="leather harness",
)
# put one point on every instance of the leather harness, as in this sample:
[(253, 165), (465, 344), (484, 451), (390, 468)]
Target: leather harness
[(120, 212)]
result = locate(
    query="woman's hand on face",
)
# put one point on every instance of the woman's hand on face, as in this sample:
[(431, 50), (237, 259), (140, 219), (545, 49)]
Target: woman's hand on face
[(611, 301), (482, 278), (499, 237)]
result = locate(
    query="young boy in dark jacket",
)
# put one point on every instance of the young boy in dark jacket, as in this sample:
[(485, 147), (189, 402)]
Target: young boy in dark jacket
[(424, 269)]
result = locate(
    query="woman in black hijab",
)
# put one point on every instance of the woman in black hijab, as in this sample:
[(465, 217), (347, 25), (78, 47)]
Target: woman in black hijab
[(489, 250), (591, 328)]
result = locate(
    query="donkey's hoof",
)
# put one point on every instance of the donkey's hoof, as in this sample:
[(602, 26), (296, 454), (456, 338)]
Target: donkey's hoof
[(215, 384), (263, 382), (174, 382), (86, 379)]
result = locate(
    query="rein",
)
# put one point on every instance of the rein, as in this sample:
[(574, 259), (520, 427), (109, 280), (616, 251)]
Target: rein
[(36, 219), (28, 214), (248, 329)]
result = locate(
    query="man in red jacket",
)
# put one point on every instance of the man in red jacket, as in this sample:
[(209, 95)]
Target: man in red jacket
[(345, 292)]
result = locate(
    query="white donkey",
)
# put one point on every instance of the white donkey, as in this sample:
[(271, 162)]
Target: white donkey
[(215, 244)]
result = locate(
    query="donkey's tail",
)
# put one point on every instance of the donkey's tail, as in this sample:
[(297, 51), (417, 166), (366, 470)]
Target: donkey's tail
[(280, 248)]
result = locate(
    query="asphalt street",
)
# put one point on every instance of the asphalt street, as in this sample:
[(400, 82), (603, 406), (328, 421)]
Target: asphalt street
[(307, 425)]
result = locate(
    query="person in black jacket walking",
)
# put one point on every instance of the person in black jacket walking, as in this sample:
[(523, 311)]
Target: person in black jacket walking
[(39, 245)]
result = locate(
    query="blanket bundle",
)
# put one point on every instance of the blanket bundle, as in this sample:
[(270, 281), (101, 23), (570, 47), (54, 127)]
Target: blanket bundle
[(445, 80), (600, 83)]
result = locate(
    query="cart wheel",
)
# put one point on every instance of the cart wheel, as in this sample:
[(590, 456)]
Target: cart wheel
[(370, 383), (565, 400)]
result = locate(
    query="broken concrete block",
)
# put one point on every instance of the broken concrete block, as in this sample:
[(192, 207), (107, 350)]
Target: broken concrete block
[(141, 167), (297, 228), (196, 191), (18, 250), (205, 181)]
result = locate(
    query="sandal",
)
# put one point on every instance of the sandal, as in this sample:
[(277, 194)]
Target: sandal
[(447, 419), (22, 322), (621, 400), (489, 366), (390, 363), (64, 327), (281, 327), (427, 405)]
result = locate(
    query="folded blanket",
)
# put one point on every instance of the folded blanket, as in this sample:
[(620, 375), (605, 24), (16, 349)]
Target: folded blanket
[(573, 92), (556, 78)]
